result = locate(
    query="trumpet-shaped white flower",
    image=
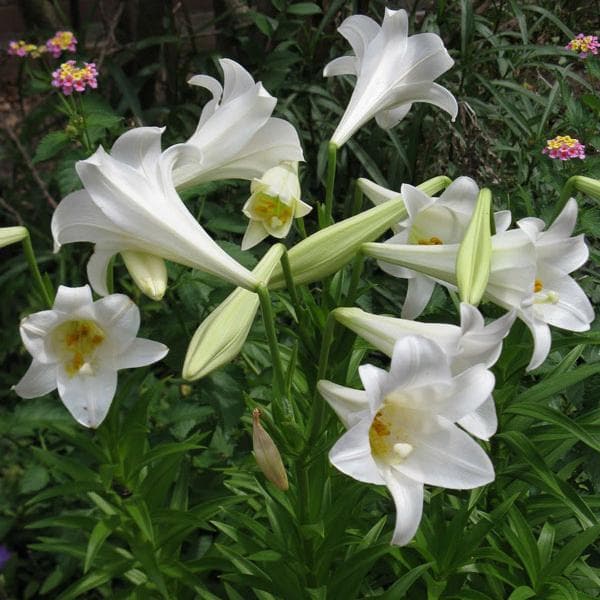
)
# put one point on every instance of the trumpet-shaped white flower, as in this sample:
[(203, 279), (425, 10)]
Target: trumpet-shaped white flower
[(402, 432), (472, 343), (79, 345), (129, 204), (274, 204), (557, 299), (392, 69), (430, 221), (236, 136)]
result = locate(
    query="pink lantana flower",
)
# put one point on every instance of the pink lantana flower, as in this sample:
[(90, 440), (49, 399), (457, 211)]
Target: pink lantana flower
[(564, 147), (69, 77), (22, 48), (584, 44), (63, 41)]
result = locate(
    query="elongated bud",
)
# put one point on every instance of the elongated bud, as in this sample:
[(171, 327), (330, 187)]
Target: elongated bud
[(149, 273), (267, 455), (12, 235), (475, 252), (588, 186), (220, 337)]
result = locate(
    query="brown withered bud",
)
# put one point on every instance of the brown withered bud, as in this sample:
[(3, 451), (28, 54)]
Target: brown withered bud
[(267, 455)]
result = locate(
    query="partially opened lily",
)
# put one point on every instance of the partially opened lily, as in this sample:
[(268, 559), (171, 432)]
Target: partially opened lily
[(129, 204), (557, 299), (236, 137), (472, 343), (274, 204), (402, 432), (79, 345), (431, 221), (392, 69)]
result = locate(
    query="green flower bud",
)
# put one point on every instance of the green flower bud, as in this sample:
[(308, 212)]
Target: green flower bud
[(267, 455), (148, 272), (475, 252), (222, 334), (12, 235)]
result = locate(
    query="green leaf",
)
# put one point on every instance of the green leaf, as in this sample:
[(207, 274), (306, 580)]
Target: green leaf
[(140, 514), (85, 584), (98, 536), (34, 479), (402, 585), (523, 592), (570, 552), (304, 8), (50, 145)]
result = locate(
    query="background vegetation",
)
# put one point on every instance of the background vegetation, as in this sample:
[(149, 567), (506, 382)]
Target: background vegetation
[(165, 500)]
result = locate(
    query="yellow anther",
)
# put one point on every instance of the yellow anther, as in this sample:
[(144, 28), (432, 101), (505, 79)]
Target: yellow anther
[(432, 241), (538, 286)]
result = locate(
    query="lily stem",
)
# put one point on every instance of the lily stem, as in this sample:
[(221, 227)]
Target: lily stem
[(32, 262), (357, 268), (331, 165), (269, 321)]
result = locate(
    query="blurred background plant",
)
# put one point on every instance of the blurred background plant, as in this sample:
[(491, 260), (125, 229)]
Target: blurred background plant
[(165, 499)]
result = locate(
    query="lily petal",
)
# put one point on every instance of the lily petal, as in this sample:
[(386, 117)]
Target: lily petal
[(39, 380), (140, 353), (349, 404)]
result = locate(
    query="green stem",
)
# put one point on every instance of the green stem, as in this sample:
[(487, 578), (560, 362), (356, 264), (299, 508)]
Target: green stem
[(86, 136), (357, 268), (32, 262), (331, 164), (269, 321), (357, 201)]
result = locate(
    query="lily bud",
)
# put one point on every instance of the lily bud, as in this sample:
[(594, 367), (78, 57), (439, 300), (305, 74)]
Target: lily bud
[(329, 249), (222, 334), (588, 186), (267, 455), (474, 257), (377, 194), (12, 235), (148, 272)]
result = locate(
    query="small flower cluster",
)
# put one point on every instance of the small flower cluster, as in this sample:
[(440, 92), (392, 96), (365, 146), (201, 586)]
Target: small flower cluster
[(564, 147), (22, 48), (584, 44), (63, 41), (69, 77)]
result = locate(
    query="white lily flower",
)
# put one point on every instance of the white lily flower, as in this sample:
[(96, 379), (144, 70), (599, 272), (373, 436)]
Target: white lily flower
[(236, 136), (472, 343), (392, 69), (402, 432), (129, 204), (430, 221), (79, 345), (274, 204), (557, 299)]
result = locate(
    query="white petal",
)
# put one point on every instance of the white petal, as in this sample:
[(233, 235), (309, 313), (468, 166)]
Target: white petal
[(446, 456), (430, 93), (461, 195), (70, 300), (420, 289), (482, 422), (349, 404), (359, 30), (236, 80), (542, 339), (502, 220), (39, 380), (377, 194), (302, 209), (566, 254), (119, 317), (471, 389), (255, 233), (374, 381), (386, 119), (415, 200), (88, 397), (141, 352), (427, 57), (417, 362), (351, 454), (139, 148), (408, 498), (148, 272), (564, 224), (344, 65), (97, 270), (34, 331)]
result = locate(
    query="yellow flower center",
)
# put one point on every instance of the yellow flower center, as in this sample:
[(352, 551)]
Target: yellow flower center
[(432, 241), (561, 140), (538, 286), (271, 209), (387, 440), (76, 343)]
